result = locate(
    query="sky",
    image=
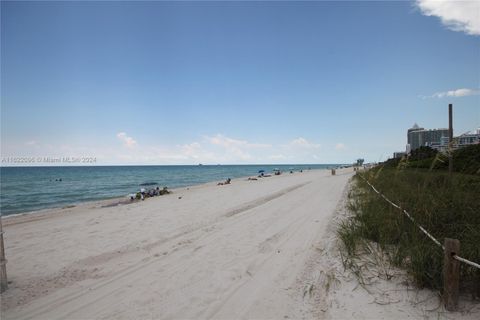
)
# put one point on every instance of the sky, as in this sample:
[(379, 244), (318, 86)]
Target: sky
[(233, 82)]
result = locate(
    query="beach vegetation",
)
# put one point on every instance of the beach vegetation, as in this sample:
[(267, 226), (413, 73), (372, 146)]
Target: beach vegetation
[(465, 160), (448, 206)]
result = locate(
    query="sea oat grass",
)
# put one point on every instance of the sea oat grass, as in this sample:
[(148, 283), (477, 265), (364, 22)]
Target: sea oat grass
[(446, 206)]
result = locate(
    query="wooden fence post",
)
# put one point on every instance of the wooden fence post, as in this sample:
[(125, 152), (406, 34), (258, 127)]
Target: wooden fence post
[(3, 262), (451, 274), (450, 139)]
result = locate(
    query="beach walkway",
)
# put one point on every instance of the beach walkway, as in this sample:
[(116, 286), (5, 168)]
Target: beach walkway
[(230, 251)]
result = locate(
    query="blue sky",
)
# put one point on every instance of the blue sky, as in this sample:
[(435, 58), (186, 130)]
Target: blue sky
[(233, 82)]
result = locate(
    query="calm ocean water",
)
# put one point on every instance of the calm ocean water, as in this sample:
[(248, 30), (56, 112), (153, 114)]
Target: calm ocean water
[(25, 189)]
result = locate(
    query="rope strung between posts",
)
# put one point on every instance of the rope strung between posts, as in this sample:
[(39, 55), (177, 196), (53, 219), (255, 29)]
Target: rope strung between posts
[(406, 213), (471, 263)]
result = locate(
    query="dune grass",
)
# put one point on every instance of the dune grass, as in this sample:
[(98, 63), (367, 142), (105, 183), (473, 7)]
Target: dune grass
[(445, 206)]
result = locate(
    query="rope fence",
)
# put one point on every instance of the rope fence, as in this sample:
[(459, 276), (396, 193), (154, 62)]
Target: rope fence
[(473, 264), (3, 262), (451, 269), (405, 212)]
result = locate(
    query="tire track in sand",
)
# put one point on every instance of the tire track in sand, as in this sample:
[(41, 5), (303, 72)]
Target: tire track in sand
[(106, 287)]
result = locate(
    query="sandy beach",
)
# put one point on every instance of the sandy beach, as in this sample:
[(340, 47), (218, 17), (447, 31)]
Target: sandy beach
[(264, 249), (209, 251)]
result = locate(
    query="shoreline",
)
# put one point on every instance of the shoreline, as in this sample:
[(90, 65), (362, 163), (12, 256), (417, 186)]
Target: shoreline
[(40, 214), (56, 196)]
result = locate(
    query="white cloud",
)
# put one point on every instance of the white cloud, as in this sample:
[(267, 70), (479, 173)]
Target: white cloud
[(197, 152), (298, 150), (339, 146), (128, 142), (227, 142), (456, 15), (455, 93), (209, 150), (192, 149), (234, 149), (31, 143), (277, 157), (303, 143)]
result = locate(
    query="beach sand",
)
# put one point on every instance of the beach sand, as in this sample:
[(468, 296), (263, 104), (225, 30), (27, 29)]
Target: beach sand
[(250, 249)]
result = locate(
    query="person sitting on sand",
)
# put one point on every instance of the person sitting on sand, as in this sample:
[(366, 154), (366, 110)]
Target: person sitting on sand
[(226, 182)]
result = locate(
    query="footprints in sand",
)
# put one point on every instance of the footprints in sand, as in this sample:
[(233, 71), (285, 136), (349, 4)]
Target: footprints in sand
[(268, 245), (28, 290)]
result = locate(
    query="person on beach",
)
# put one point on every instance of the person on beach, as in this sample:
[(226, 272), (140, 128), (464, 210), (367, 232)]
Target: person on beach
[(226, 182)]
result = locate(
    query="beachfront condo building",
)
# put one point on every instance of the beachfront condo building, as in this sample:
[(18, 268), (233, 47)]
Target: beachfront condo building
[(467, 139), (438, 139), (418, 137)]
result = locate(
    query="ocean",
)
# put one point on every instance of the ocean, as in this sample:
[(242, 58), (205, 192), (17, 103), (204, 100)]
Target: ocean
[(26, 189)]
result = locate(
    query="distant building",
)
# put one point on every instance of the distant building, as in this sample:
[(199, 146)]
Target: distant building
[(412, 139), (461, 141), (442, 146), (418, 137), (467, 139), (360, 162), (399, 155)]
